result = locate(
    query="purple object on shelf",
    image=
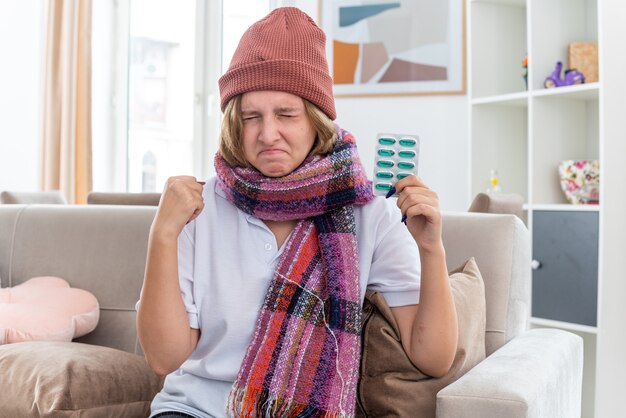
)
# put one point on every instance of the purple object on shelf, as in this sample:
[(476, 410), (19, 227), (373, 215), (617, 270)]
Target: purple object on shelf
[(570, 77)]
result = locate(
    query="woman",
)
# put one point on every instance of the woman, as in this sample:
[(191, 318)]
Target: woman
[(255, 279)]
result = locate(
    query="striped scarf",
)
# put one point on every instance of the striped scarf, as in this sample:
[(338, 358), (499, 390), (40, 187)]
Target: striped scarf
[(303, 360)]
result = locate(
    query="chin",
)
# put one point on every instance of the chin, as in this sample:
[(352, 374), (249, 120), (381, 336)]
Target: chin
[(275, 173), (274, 168)]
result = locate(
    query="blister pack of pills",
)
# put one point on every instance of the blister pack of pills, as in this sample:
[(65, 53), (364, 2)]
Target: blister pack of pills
[(396, 158)]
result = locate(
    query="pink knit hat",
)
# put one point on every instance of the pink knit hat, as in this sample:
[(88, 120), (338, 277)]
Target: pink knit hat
[(284, 51)]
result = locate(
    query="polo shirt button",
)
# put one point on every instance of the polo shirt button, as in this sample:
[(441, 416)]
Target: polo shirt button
[(268, 246)]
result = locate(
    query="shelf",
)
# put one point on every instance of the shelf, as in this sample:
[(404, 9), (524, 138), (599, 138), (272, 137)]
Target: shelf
[(500, 142), (563, 207), (554, 25), (563, 325), (577, 92), (525, 130), (511, 99), (498, 41), (562, 129)]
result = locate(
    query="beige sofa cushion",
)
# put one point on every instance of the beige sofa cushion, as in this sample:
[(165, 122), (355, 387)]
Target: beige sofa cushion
[(68, 379), (390, 385), (501, 246), (143, 199), (512, 203), (52, 197)]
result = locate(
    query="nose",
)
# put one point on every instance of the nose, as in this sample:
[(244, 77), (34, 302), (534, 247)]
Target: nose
[(269, 132)]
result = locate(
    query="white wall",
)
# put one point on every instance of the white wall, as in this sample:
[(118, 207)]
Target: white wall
[(439, 121), (20, 43)]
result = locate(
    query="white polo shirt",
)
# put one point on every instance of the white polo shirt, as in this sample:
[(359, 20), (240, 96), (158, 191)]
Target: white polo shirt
[(226, 261)]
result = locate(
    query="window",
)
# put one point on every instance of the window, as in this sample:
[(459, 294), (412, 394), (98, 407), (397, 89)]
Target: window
[(156, 110), (148, 173), (238, 15), (160, 90)]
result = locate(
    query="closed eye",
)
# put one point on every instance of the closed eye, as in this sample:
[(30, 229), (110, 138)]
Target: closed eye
[(249, 116), (287, 112)]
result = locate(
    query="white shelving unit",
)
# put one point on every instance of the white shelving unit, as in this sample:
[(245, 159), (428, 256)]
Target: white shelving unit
[(524, 130)]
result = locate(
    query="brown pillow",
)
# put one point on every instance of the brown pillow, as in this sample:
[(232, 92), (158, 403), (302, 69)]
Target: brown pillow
[(390, 385), (68, 379)]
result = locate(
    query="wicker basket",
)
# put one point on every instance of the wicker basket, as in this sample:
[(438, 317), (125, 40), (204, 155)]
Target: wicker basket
[(583, 56)]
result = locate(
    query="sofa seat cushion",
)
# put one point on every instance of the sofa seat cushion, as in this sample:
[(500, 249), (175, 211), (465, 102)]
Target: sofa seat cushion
[(47, 309), (68, 379)]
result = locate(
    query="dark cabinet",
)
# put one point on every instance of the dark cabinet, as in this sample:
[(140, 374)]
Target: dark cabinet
[(565, 266)]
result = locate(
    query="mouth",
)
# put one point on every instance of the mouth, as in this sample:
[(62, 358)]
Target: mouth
[(271, 151)]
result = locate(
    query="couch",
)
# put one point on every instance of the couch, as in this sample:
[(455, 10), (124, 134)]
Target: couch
[(498, 203), (102, 249), (140, 199), (50, 197)]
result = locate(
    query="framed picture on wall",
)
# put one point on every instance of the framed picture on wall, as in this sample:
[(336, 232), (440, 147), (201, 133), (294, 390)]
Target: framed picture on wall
[(397, 47)]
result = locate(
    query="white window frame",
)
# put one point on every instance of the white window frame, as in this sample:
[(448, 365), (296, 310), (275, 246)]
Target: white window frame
[(119, 95), (207, 113)]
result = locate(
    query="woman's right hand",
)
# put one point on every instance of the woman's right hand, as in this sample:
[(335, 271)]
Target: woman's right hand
[(181, 202)]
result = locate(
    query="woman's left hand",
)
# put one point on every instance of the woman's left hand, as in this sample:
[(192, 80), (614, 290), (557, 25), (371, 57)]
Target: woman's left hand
[(421, 206)]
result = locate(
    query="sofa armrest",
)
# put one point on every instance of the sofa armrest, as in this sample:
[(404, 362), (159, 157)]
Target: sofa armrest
[(537, 374)]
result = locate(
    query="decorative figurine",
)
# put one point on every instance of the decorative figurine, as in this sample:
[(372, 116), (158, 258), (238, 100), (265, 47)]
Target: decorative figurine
[(570, 77)]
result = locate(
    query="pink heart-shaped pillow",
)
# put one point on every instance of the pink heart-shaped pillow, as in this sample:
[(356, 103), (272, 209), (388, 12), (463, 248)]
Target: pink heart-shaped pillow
[(46, 309)]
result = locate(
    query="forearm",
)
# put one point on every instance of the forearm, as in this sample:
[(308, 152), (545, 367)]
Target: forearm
[(162, 322), (434, 333), (429, 330)]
